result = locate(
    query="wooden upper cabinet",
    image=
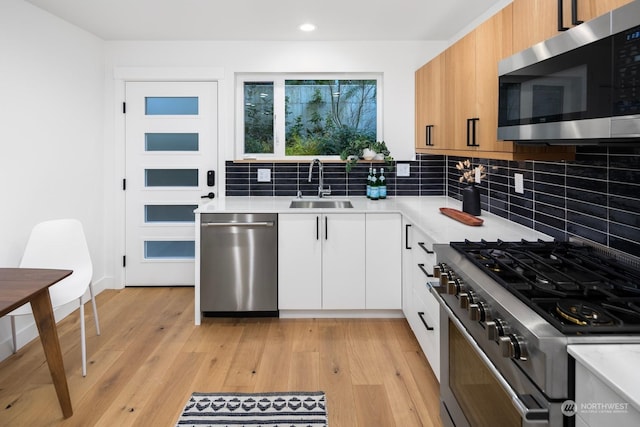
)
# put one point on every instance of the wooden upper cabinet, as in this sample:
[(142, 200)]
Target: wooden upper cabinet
[(492, 44), (429, 104), (589, 9), (537, 20), (460, 89), (533, 21)]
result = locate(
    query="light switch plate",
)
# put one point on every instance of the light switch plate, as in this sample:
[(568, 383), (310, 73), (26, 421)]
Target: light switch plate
[(519, 183), (403, 169), (264, 175)]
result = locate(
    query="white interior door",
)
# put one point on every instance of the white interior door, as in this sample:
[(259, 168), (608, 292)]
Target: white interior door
[(171, 144)]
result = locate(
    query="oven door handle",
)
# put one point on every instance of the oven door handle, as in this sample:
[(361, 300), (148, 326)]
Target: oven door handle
[(531, 414)]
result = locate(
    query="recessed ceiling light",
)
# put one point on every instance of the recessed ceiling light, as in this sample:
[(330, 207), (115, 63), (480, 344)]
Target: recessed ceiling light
[(307, 27)]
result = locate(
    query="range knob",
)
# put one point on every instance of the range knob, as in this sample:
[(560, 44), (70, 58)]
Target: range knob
[(448, 276), (439, 270), (466, 298), (496, 329), (513, 346), (478, 311), (454, 287)]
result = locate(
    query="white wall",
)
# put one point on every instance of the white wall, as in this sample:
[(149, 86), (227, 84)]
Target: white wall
[(51, 134)]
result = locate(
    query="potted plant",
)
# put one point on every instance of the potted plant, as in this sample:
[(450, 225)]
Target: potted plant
[(366, 150)]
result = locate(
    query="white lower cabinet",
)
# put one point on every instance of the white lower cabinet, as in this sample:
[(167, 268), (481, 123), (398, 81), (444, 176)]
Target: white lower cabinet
[(597, 404), (341, 261), (299, 262), (321, 261), (384, 262), (420, 307)]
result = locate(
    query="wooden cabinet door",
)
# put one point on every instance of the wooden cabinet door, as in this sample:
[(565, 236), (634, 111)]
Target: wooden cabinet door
[(430, 105), (589, 9), (384, 261), (493, 42), (534, 21), (460, 89), (343, 261), (299, 262)]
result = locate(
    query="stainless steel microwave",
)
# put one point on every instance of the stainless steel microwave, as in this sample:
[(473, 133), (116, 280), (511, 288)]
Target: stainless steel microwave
[(580, 87)]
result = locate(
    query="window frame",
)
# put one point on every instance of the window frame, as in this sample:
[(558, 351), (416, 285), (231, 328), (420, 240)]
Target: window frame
[(278, 80)]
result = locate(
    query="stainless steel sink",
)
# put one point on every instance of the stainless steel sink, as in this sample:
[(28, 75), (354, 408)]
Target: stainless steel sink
[(321, 204)]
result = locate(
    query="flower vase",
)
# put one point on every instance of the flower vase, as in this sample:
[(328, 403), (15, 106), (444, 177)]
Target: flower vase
[(471, 200)]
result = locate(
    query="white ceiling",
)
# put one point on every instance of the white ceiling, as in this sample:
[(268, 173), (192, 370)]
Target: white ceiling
[(344, 20)]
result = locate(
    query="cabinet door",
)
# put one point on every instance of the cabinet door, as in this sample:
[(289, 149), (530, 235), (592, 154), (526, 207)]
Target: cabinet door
[(299, 262), (493, 42), (383, 262), (430, 105), (589, 9), (460, 60), (533, 21), (343, 261)]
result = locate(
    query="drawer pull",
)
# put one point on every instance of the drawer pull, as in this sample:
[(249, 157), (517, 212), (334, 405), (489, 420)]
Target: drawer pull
[(426, 273), (423, 246), (426, 325)]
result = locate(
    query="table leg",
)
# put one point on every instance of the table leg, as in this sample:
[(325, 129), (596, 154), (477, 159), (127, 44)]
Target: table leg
[(43, 315)]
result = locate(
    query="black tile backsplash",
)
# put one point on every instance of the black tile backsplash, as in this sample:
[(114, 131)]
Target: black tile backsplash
[(596, 196), (426, 178)]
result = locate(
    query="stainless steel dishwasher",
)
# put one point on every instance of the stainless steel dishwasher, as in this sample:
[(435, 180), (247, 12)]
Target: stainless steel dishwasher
[(239, 264)]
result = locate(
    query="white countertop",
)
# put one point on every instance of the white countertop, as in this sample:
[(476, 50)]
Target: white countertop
[(614, 364), (422, 212)]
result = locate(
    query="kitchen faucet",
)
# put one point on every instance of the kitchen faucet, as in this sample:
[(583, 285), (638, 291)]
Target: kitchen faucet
[(321, 190)]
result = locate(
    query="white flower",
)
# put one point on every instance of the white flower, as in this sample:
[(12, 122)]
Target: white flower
[(469, 173)]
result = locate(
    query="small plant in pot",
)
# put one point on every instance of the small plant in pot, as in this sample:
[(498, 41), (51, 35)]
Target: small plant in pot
[(362, 149)]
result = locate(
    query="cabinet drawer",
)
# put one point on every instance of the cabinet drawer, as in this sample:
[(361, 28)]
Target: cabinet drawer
[(424, 321)]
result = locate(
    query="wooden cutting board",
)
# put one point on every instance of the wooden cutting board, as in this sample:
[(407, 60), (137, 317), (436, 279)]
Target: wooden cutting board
[(463, 217)]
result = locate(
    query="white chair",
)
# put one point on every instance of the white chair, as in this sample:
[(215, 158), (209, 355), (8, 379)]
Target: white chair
[(61, 244)]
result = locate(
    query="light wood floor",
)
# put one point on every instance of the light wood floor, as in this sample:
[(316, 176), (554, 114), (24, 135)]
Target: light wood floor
[(150, 358)]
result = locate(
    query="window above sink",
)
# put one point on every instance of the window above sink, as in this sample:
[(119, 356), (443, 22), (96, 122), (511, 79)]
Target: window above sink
[(304, 116)]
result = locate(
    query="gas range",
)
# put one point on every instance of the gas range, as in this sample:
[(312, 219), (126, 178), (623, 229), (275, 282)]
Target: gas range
[(574, 287), (520, 304)]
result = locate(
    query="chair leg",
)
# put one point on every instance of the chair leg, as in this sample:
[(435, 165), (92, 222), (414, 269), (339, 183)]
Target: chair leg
[(13, 334), (95, 308), (83, 344)]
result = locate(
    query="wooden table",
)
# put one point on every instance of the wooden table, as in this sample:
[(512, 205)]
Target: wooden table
[(19, 286)]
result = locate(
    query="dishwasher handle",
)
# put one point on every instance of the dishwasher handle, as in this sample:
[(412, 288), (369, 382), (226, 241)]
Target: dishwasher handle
[(239, 224)]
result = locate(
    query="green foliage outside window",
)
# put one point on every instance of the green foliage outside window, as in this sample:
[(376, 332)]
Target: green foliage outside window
[(322, 117)]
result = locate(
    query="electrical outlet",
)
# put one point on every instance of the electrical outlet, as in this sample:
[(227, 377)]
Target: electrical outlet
[(519, 183), (403, 169), (264, 175)]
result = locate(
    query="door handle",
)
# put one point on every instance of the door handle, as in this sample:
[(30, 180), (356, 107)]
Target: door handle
[(574, 13), (429, 141), (561, 26), (424, 248), (426, 273), (426, 325), (406, 236), (208, 196), (471, 132)]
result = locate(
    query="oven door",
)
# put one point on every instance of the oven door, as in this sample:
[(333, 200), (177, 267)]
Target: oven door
[(472, 390)]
